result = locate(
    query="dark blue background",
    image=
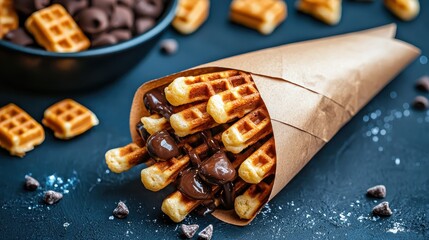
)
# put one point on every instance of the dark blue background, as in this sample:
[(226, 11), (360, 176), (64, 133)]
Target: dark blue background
[(326, 200)]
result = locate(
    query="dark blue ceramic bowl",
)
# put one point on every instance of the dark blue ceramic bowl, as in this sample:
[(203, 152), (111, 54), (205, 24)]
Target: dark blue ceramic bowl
[(41, 70)]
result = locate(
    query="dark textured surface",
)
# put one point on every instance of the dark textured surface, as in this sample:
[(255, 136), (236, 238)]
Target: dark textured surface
[(326, 200)]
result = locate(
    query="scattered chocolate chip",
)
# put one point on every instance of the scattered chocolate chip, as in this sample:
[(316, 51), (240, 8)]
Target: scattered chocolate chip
[(27, 7), (144, 24), (52, 197), (19, 36), (189, 230), (122, 17), (121, 34), (121, 211), (206, 233), (423, 83), (169, 46), (31, 183), (382, 210), (105, 5), (378, 191), (421, 103), (93, 20), (148, 8), (104, 40), (73, 6)]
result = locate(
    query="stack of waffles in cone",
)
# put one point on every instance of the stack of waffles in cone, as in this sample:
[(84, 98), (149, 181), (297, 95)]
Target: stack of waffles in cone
[(211, 136)]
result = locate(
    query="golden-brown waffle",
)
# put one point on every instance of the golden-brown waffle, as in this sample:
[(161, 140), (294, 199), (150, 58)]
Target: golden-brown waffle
[(262, 15), (124, 158), (19, 132), (154, 123), (8, 17), (192, 120), (328, 11), (197, 88), (55, 30), (68, 119), (251, 201), (404, 9), (248, 130), (190, 15), (260, 164), (233, 103)]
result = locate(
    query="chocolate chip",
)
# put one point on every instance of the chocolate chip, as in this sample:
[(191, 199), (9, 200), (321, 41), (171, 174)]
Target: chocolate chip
[(382, 210), (73, 6), (27, 7), (189, 230), (206, 233), (121, 34), (144, 24), (104, 40), (122, 17), (128, 3), (149, 8), (52, 197), (93, 20), (378, 191), (423, 83), (31, 183), (169, 46), (19, 36), (121, 211), (105, 5), (421, 103)]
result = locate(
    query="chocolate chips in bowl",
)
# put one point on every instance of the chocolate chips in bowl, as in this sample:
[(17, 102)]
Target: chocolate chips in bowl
[(63, 45)]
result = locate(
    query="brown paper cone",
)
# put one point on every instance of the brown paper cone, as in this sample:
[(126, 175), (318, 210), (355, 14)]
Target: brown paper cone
[(311, 89)]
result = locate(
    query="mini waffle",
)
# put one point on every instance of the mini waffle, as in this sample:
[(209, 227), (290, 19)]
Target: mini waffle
[(124, 158), (154, 123), (8, 17), (247, 131), (328, 11), (68, 119), (404, 9), (251, 201), (19, 132), (260, 164), (196, 88), (233, 103), (262, 15), (190, 15), (55, 29)]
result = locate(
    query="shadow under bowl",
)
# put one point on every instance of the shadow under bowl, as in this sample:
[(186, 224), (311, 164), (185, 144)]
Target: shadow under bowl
[(40, 70)]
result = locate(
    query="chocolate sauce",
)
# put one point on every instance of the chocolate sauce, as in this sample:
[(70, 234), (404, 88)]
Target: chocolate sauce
[(195, 159), (217, 169), (192, 186), (155, 102), (161, 146), (206, 207), (228, 196), (142, 131), (211, 142)]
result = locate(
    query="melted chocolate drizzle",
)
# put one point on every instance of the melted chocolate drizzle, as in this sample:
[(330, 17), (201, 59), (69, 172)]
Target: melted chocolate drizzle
[(192, 186), (228, 195), (155, 101), (142, 132), (161, 146)]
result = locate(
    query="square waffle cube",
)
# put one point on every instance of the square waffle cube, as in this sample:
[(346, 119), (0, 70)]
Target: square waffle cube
[(190, 15), (262, 15), (8, 17), (328, 11), (55, 30), (68, 119), (19, 132)]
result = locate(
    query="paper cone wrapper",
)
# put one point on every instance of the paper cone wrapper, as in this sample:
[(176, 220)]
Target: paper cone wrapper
[(311, 89)]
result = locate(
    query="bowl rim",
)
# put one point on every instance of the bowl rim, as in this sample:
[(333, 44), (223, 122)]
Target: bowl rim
[(163, 22)]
